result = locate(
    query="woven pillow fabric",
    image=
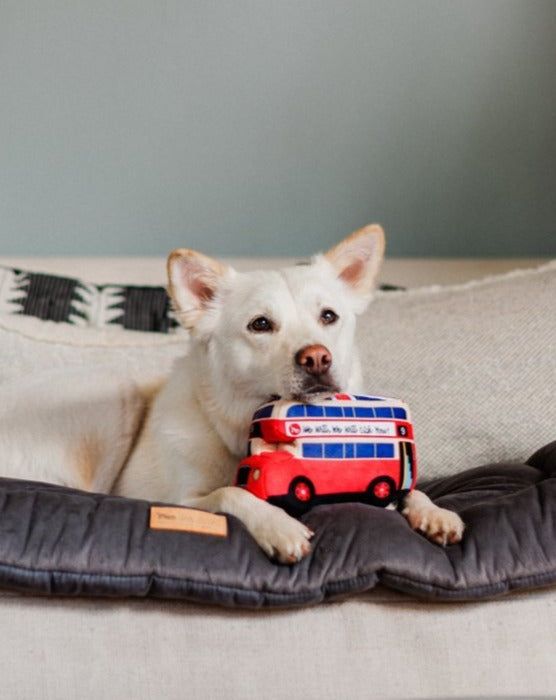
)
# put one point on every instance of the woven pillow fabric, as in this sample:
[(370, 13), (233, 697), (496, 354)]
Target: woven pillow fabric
[(476, 363)]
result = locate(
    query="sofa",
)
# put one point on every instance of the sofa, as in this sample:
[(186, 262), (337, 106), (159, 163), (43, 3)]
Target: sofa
[(471, 346)]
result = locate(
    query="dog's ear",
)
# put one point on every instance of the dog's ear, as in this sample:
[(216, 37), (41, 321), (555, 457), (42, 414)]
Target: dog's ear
[(193, 279), (357, 259)]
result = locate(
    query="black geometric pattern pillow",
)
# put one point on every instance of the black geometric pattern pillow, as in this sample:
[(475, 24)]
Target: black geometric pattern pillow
[(67, 300)]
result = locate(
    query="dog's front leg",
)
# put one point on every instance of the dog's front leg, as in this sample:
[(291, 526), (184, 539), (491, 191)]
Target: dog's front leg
[(278, 534), (437, 524)]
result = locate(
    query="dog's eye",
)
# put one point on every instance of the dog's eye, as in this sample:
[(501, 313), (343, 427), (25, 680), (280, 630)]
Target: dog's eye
[(261, 324), (328, 317)]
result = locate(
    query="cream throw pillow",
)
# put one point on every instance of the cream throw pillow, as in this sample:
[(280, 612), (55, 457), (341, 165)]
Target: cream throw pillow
[(476, 364)]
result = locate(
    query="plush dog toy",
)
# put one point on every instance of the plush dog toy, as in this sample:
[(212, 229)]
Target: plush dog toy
[(341, 448)]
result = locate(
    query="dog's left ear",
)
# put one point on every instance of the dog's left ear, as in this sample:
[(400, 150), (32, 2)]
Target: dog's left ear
[(357, 259), (193, 280)]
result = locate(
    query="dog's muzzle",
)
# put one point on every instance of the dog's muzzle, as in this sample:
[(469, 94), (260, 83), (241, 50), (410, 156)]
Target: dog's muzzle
[(315, 361)]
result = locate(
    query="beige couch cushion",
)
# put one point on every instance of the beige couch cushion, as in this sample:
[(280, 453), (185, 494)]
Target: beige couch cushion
[(476, 363)]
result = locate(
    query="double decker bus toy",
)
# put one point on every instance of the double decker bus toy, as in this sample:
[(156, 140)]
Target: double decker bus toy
[(341, 448)]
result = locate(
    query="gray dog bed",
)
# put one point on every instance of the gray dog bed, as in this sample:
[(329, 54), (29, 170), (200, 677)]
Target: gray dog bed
[(60, 541)]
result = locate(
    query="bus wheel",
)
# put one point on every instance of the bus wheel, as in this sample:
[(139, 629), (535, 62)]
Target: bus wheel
[(301, 490), (381, 490)]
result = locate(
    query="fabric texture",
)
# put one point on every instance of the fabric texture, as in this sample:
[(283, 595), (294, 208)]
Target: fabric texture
[(55, 540), (476, 363), (375, 646), (69, 300)]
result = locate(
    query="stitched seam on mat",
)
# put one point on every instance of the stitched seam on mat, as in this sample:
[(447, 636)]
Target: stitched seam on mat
[(508, 584), (150, 578), (319, 591)]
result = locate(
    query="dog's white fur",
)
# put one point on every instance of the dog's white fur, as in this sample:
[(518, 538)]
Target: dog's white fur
[(183, 443)]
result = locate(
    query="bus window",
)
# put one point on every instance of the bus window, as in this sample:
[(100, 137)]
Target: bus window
[(297, 411), (385, 451), (349, 450), (312, 450), (348, 412), (383, 412), (314, 411), (363, 450), (400, 413), (363, 412), (333, 411), (333, 450), (264, 412)]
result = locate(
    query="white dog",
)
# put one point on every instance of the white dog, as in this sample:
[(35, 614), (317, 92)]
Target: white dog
[(253, 336)]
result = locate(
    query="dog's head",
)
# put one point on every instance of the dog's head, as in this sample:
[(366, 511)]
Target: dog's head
[(287, 333)]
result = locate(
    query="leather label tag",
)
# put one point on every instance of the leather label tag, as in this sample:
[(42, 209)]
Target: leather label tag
[(188, 520)]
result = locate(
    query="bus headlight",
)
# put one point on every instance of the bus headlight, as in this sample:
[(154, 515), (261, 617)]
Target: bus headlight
[(256, 474)]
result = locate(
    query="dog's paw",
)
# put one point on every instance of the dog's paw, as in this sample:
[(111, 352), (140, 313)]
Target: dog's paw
[(283, 538), (439, 525)]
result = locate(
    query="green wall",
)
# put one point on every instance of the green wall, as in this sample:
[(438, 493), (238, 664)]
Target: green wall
[(275, 127)]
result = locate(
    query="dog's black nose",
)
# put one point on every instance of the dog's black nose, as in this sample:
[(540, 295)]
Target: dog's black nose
[(314, 359)]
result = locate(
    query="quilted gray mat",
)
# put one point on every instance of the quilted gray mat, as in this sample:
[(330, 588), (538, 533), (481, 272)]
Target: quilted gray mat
[(65, 542)]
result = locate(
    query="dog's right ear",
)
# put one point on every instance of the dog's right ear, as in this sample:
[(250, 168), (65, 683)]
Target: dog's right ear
[(193, 280)]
